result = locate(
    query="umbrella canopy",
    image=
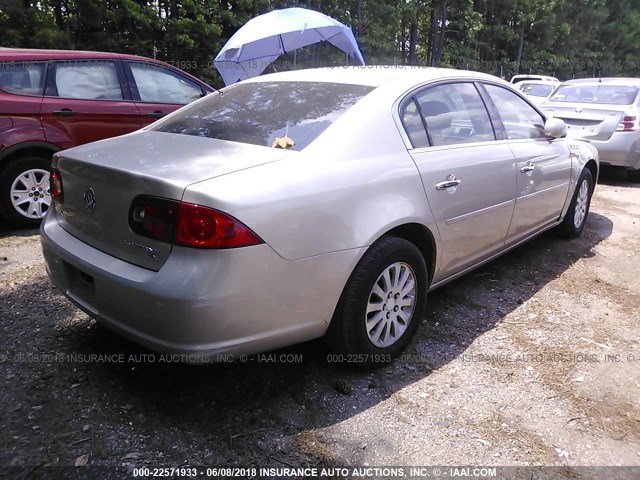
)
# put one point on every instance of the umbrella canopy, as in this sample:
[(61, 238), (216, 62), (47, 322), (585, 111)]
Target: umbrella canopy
[(266, 37)]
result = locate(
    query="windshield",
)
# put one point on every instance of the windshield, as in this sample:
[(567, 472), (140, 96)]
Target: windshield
[(261, 113), (536, 90), (596, 93)]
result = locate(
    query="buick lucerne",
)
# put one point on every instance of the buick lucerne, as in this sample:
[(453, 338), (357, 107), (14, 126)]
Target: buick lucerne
[(305, 204)]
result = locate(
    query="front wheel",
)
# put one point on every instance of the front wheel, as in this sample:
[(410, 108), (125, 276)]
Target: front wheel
[(576, 216), (24, 191), (382, 303)]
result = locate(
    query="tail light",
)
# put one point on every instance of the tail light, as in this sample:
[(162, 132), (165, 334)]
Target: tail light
[(55, 186), (188, 225), (629, 123), (154, 217)]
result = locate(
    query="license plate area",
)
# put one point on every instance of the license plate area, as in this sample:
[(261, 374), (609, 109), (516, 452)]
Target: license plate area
[(79, 282)]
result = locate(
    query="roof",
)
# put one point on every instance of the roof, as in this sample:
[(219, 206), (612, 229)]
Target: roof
[(538, 82), (33, 54), (635, 82), (524, 77), (26, 54), (373, 75)]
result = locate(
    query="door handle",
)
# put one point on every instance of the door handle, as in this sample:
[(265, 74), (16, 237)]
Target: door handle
[(66, 112), (529, 167), (156, 114), (451, 181)]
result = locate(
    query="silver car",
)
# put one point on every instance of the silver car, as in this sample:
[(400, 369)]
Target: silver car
[(306, 204), (606, 112)]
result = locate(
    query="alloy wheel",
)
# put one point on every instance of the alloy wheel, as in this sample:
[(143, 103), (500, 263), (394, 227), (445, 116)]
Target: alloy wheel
[(391, 304)]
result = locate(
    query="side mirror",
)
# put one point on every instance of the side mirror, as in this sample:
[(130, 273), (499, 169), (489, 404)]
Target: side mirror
[(555, 128)]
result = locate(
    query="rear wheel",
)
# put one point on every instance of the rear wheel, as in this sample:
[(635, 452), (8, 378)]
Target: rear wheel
[(576, 217), (382, 303), (24, 191)]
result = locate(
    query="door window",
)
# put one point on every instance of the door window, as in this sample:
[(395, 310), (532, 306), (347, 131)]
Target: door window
[(160, 85), (88, 80), (520, 119), (454, 113), (413, 125), (24, 78)]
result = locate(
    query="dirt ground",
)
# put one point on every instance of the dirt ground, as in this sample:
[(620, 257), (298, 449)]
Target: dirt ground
[(533, 359)]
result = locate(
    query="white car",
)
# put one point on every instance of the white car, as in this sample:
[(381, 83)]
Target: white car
[(540, 78), (537, 90), (605, 112)]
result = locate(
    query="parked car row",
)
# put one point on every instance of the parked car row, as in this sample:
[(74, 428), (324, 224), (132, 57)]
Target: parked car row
[(603, 111), (52, 100)]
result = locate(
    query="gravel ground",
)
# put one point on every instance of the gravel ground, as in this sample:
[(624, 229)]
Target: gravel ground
[(531, 360)]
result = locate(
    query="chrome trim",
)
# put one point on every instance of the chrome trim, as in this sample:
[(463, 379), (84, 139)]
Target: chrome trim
[(482, 211), (562, 185), (451, 181), (529, 167)]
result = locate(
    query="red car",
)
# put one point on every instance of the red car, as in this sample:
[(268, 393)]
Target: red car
[(51, 100)]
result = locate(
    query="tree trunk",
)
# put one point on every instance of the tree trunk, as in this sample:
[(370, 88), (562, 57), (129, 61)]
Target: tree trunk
[(413, 38), (520, 50), (431, 47), (443, 29)]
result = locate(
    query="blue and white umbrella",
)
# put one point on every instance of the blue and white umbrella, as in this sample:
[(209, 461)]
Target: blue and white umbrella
[(265, 37)]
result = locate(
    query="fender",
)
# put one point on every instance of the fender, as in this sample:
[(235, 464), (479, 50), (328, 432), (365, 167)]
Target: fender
[(7, 152)]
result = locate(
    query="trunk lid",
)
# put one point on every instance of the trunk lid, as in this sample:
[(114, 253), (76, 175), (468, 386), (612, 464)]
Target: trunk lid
[(101, 179), (592, 122)]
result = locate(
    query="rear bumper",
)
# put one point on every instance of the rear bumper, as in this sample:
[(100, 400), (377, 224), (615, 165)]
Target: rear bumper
[(202, 302), (622, 149)]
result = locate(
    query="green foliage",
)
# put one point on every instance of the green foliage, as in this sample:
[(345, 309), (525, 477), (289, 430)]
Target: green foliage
[(567, 38)]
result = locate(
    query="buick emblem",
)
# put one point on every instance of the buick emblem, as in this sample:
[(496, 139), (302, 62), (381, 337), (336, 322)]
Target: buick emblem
[(578, 110), (90, 199)]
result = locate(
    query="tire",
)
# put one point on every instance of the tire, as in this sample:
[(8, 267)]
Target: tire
[(377, 342), (29, 178), (576, 217), (633, 175)]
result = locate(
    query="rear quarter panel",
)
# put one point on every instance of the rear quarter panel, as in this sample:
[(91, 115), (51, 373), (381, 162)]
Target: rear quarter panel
[(345, 190), (19, 120)]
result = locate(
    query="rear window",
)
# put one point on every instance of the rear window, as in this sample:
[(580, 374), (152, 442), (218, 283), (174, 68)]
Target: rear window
[(25, 78), (596, 93), (257, 113), (536, 89)]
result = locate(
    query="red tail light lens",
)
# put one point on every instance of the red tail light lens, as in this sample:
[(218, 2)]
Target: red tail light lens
[(204, 227), (629, 123), (154, 217), (55, 186), (187, 224)]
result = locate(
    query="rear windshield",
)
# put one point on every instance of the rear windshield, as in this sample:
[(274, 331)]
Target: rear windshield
[(596, 93), (536, 90), (257, 113)]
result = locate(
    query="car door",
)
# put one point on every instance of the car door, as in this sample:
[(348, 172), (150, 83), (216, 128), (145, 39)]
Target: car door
[(21, 90), (468, 176), (85, 101), (543, 167), (159, 91)]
